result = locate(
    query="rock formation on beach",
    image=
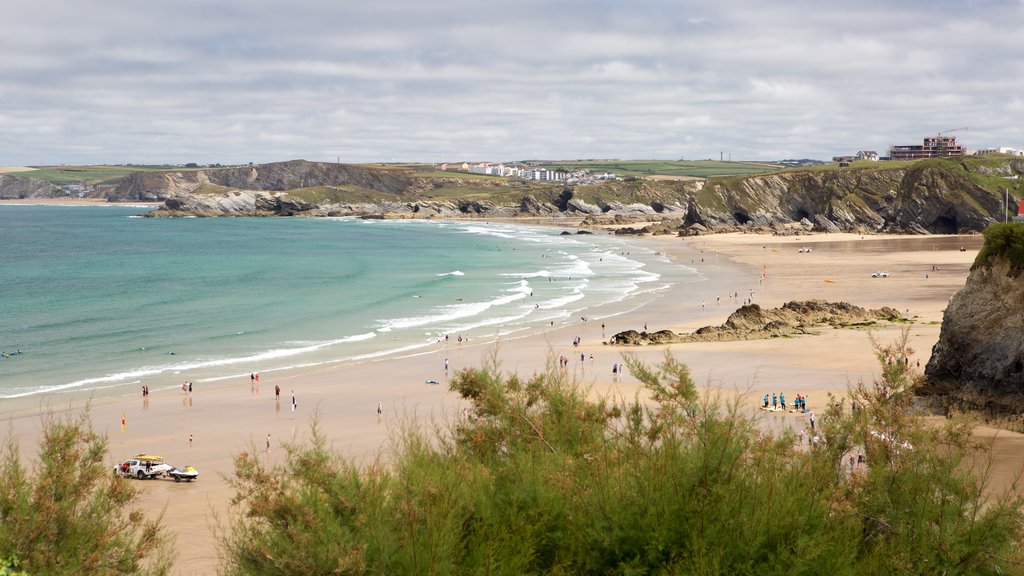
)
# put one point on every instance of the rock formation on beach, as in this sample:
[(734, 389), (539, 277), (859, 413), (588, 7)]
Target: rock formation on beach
[(751, 322), (978, 361)]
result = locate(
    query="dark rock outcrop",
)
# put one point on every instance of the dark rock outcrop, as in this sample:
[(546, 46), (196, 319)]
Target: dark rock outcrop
[(978, 361), (17, 187), (941, 201), (751, 322)]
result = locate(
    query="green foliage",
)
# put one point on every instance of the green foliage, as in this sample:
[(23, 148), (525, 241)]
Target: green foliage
[(538, 478), (91, 175), (917, 508), (1002, 239), (10, 566), (69, 514)]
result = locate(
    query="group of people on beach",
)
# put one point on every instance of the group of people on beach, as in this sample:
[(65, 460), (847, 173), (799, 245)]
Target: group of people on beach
[(777, 400)]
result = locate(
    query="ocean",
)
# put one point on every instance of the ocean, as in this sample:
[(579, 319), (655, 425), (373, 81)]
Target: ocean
[(96, 298)]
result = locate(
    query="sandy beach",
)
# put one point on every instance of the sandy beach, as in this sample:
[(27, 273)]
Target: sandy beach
[(227, 417)]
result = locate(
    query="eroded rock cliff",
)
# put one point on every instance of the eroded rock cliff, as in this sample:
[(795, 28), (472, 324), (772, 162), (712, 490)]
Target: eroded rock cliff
[(945, 196), (978, 361), (16, 187)]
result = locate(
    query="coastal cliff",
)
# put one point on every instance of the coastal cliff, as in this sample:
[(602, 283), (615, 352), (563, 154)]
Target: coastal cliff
[(16, 187), (978, 361), (933, 196)]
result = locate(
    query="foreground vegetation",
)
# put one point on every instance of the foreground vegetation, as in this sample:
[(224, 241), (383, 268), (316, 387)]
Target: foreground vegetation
[(69, 515), (539, 478), (1002, 239)]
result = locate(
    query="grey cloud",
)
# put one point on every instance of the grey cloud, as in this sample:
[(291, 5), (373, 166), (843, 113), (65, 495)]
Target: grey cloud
[(453, 79)]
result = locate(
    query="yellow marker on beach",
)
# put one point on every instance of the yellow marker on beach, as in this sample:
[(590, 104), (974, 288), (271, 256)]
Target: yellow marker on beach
[(830, 281)]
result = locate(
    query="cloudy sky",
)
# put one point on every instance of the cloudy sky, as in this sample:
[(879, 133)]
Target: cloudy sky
[(143, 81)]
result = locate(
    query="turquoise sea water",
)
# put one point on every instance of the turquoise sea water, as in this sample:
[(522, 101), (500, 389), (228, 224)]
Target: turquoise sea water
[(95, 297)]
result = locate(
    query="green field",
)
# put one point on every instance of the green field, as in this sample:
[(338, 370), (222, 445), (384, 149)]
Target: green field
[(694, 168), (91, 175)]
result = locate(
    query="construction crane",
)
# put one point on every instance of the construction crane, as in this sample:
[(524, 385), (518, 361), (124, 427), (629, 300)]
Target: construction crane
[(951, 130)]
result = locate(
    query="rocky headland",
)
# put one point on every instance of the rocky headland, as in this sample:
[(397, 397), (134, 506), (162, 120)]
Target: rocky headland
[(751, 322), (978, 362), (952, 195), (943, 196), (19, 188)]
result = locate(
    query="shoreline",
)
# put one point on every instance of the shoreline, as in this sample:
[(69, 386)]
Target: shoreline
[(228, 417), (74, 202)]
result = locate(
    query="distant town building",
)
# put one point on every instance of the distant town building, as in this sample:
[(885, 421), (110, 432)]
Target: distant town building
[(543, 174), (843, 161), (1002, 150), (933, 147), (869, 155)]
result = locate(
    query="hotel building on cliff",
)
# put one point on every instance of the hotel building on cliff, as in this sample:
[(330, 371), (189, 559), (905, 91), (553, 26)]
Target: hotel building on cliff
[(933, 147)]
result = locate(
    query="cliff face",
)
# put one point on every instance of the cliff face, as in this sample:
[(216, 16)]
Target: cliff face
[(16, 187), (931, 200), (279, 176), (938, 197), (979, 358), (828, 201)]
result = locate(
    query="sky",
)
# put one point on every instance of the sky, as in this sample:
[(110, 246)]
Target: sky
[(223, 81)]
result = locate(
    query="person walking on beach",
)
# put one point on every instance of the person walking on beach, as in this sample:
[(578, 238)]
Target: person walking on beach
[(380, 409), (445, 365), (189, 440), (775, 401), (766, 400), (277, 392), (812, 422), (294, 403), (268, 443)]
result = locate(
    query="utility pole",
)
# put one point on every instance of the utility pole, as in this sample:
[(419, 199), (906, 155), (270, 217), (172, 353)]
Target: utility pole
[(1006, 205)]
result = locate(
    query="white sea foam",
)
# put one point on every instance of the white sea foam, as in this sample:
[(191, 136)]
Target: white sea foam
[(601, 277), (191, 366)]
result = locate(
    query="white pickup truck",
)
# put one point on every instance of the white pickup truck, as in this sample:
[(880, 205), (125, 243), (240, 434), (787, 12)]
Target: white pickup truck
[(143, 466)]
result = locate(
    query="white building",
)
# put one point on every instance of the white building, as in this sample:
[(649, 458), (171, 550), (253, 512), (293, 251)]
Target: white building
[(543, 174)]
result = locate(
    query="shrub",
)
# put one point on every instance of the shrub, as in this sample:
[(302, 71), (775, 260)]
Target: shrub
[(537, 478), (1003, 239), (69, 514)]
